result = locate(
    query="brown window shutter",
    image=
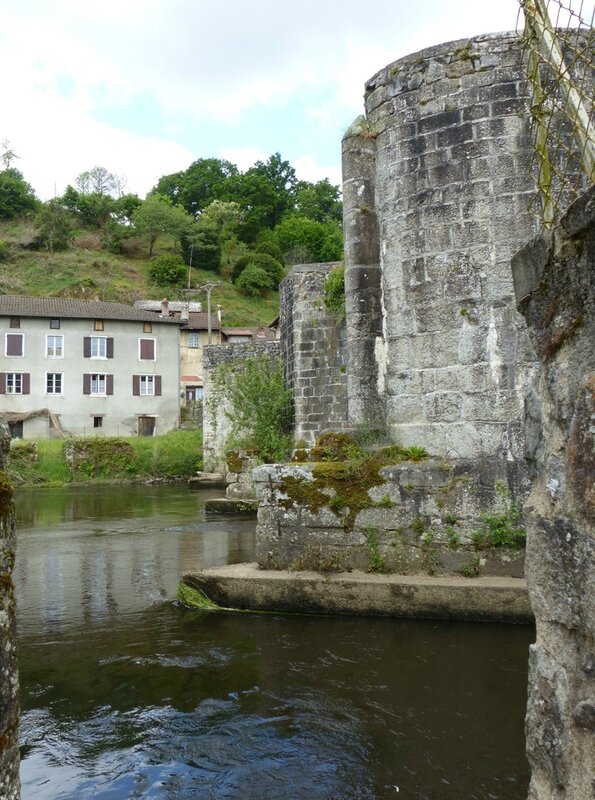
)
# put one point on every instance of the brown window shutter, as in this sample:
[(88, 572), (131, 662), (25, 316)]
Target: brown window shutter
[(158, 385), (2, 382), (147, 349), (136, 384), (26, 383), (14, 344), (109, 384), (87, 348), (86, 383), (109, 347)]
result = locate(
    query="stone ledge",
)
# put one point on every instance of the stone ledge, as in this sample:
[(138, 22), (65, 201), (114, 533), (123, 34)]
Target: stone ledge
[(245, 586)]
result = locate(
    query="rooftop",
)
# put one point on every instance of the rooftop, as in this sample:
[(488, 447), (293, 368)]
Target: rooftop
[(62, 307)]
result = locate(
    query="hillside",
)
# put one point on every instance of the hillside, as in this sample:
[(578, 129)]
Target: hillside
[(87, 271)]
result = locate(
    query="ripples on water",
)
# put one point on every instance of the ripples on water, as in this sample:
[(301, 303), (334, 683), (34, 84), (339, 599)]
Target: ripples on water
[(130, 696)]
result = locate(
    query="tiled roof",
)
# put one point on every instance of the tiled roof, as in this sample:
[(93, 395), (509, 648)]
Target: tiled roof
[(200, 322), (255, 331), (62, 307)]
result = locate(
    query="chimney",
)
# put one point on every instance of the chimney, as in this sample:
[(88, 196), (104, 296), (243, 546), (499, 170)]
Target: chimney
[(219, 313), (165, 308), (185, 312)]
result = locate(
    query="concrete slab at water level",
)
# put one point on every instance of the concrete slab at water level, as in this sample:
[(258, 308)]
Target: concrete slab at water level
[(246, 586)]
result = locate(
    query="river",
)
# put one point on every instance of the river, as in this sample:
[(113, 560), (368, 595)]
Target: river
[(125, 694)]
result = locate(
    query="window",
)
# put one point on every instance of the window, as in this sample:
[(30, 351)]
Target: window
[(194, 340), (146, 385), (54, 346), (98, 347), (15, 382), (55, 324), (146, 349), (98, 422), (98, 325), (53, 383), (98, 384), (14, 345), (15, 322), (147, 327)]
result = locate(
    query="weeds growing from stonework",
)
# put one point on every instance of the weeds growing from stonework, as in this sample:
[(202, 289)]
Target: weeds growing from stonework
[(503, 529), (260, 402)]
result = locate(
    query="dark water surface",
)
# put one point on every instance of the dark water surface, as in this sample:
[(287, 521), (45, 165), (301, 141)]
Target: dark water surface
[(127, 695)]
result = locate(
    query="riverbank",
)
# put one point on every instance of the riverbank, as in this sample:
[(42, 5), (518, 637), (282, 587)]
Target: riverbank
[(245, 586), (59, 462)]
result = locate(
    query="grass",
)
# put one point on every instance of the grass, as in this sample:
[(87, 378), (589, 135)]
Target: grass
[(85, 272), (175, 455)]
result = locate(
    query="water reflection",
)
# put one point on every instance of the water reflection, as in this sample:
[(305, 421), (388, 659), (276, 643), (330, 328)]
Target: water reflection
[(130, 696)]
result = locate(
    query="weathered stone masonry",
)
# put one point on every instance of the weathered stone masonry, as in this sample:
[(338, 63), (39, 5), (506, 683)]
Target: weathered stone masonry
[(439, 171), (554, 287), (9, 700), (313, 351)]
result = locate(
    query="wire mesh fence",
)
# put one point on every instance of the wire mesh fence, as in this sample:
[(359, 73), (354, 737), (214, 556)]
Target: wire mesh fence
[(558, 56)]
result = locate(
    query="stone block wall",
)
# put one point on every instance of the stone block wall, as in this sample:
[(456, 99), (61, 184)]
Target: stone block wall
[(9, 685), (554, 283), (313, 348), (417, 517), (216, 424), (438, 181)]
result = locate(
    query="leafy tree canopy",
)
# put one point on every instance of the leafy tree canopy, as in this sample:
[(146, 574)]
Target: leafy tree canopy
[(16, 196), (157, 215)]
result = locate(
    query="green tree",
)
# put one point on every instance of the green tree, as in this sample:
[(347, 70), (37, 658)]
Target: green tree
[(55, 225), (99, 180), (158, 216), (197, 186), (95, 209), (303, 240), (319, 201), (201, 245), (16, 196)]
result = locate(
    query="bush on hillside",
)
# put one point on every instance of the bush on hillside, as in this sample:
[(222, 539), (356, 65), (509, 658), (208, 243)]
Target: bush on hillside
[(270, 265), (167, 270)]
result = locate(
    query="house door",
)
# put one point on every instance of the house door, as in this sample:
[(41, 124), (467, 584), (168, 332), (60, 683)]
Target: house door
[(146, 426)]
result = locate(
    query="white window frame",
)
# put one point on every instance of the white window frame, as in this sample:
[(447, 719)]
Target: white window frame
[(194, 337), (49, 336), (146, 385), (154, 340), (12, 333), (104, 348), (14, 383), (47, 385), (96, 382)]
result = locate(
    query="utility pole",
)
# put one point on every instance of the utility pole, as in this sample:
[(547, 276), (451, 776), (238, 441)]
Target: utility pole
[(208, 288)]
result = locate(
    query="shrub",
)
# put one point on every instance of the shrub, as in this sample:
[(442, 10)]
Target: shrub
[(254, 280), (334, 292), (267, 263), (167, 270)]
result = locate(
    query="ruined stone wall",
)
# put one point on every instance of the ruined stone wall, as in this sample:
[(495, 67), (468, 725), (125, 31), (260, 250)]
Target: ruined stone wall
[(437, 186), (9, 701), (216, 424), (314, 353), (554, 278)]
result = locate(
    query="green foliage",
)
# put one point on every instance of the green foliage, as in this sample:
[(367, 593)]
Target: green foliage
[(319, 201), (94, 209), (192, 597), (304, 240), (376, 561), (260, 406), (453, 536), (55, 225), (158, 216), (254, 281), (501, 530), (201, 245), (16, 195), (172, 456), (269, 265), (167, 270), (418, 525), (471, 568), (334, 292)]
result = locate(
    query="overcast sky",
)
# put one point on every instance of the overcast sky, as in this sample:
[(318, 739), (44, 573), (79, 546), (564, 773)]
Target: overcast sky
[(144, 87)]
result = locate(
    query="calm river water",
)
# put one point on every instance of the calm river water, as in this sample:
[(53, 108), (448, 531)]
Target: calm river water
[(127, 695)]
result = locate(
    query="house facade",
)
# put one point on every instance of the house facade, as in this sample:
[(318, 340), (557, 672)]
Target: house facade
[(84, 367)]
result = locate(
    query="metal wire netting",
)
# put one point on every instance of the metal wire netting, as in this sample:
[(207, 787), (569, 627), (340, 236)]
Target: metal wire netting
[(559, 60)]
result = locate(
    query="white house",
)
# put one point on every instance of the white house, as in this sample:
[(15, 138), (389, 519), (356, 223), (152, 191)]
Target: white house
[(84, 367)]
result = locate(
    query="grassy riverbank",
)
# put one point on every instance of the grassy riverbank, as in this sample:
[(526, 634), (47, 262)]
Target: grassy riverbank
[(175, 455)]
